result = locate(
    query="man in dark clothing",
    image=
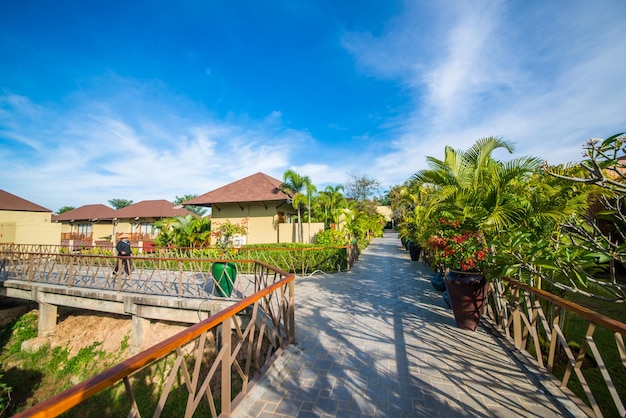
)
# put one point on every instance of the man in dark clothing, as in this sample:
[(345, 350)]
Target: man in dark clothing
[(123, 252)]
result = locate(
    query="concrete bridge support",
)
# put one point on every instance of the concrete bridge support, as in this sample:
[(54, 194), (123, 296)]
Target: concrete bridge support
[(141, 308), (47, 318), (140, 325)]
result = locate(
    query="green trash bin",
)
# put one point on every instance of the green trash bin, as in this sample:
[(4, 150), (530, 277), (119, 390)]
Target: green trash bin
[(224, 275)]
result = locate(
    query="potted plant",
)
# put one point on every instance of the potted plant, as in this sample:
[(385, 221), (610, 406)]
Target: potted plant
[(225, 273), (411, 233), (462, 252)]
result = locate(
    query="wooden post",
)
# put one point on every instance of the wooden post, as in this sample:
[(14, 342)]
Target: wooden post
[(292, 312), (517, 318), (226, 361)]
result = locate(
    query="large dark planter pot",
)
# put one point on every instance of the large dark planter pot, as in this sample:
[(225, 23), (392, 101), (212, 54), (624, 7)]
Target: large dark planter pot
[(467, 292), (414, 251), (225, 275), (439, 282)]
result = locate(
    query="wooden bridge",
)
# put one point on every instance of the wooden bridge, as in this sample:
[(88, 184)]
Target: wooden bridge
[(173, 289)]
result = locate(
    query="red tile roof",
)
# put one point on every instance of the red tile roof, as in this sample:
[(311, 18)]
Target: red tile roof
[(87, 213), (9, 201), (258, 187), (151, 209)]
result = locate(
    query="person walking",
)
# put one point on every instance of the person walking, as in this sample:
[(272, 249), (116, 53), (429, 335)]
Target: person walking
[(123, 253)]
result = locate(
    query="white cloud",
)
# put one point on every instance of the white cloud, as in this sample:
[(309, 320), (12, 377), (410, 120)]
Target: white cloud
[(539, 75), (89, 154)]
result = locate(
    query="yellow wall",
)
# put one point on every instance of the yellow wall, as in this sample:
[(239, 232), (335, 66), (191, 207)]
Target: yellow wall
[(102, 230), (261, 219), (22, 227), (289, 232), (385, 211)]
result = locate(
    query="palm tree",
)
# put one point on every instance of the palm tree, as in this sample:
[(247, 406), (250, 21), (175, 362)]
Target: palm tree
[(184, 231), (310, 190), (473, 186), (293, 183), (332, 201)]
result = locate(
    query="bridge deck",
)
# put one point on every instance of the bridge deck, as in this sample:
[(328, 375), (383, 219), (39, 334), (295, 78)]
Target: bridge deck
[(379, 341)]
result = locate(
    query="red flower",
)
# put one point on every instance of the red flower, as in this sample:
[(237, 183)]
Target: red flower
[(458, 249)]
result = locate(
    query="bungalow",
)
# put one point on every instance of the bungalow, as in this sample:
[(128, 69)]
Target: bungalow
[(99, 225), (138, 219), (24, 222), (257, 202), (89, 225)]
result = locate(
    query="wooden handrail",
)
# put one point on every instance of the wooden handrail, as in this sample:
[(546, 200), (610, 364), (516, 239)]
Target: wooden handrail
[(73, 396), (518, 312), (586, 313)]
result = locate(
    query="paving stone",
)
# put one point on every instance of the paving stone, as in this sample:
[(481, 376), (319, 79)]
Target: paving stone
[(378, 341)]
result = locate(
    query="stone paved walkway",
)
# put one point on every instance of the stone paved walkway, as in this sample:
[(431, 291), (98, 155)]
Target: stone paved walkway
[(379, 341)]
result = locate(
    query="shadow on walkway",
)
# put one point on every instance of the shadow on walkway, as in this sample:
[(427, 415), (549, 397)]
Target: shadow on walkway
[(379, 341)]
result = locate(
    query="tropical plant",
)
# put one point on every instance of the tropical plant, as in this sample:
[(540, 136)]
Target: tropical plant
[(332, 202), (184, 231), (473, 185), (491, 195), (293, 184), (365, 223)]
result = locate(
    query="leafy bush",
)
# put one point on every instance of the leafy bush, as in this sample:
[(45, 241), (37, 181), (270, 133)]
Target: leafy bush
[(297, 257), (5, 395), (330, 237), (24, 329)]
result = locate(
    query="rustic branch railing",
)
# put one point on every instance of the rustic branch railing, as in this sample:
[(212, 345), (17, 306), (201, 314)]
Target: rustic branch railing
[(533, 320), (180, 277), (209, 363), (301, 260)]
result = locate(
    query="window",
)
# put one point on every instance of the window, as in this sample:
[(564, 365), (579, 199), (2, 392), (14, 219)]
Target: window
[(144, 229), (83, 230)]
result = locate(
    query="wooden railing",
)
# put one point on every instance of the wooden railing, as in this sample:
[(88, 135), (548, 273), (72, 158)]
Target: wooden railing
[(533, 320), (215, 367), (301, 260), (76, 235), (179, 277)]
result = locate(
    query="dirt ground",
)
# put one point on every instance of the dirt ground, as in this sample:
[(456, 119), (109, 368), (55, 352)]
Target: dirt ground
[(79, 328)]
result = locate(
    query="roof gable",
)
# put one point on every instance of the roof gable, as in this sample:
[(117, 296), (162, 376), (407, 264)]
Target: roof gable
[(10, 201), (88, 213), (258, 187), (152, 209)]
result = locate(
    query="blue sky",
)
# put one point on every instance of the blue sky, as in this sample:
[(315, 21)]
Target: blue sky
[(153, 100)]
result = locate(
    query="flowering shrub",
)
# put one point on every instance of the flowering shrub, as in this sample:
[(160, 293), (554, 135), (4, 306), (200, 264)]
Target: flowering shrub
[(458, 249), (225, 232)]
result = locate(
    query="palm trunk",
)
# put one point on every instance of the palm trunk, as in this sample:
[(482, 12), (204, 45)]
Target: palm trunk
[(299, 225)]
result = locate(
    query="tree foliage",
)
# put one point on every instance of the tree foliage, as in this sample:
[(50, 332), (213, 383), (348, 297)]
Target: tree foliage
[(64, 209), (184, 231), (120, 203), (293, 184), (361, 187), (557, 226), (198, 210)]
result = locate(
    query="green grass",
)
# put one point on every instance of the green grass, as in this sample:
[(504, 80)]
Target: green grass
[(30, 377)]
